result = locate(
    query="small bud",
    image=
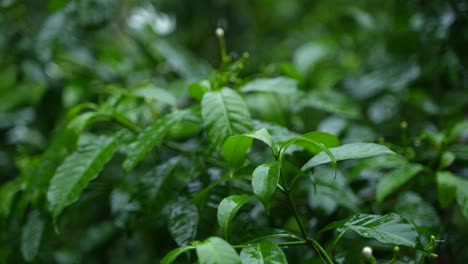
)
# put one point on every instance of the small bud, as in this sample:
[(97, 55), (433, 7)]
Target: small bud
[(367, 251), (404, 125), (219, 32)]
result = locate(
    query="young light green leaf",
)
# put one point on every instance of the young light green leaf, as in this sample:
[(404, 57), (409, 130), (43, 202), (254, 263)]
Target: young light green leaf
[(228, 208), (446, 188), (172, 255), (315, 141), (151, 136), (77, 170), (462, 196), (265, 252), (280, 85), (389, 228), (31, 236), (224, 114), (215, 250), (446, 159), (392, 181), (236, 147), (235, 150), (262, 135), (183, 222), (264, 180), (349, 151)]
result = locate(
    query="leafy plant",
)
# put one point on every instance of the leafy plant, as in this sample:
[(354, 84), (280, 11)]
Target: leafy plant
[(121, 145)]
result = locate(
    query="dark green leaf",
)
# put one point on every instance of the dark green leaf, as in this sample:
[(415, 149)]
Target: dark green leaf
[(214, 250), (264, 180), (315, 141), (224, 114), (78, 169), (151, 136), (397, 178), (389, 228), (31, 235), (7, 193), (183, 222), (349, 151), (420, 212), (228, 208), (259, 235), (171, 256), (462, 196), (265, 252)]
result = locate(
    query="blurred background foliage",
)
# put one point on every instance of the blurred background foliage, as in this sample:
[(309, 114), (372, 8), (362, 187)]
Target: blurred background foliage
[(387, 71)]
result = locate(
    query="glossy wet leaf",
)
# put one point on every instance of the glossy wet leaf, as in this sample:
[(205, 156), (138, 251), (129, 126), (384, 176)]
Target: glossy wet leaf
[(151, 136), (227, 209), (264, 180), (215, 250), (173, 254), (224, 114), (77, 170), (265, 252), (183, 222), (390, 228), (31, 235), (446, 188), (349, 151), (395, 179)]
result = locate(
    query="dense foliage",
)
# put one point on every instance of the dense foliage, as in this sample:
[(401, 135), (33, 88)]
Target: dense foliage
[(304, 132)]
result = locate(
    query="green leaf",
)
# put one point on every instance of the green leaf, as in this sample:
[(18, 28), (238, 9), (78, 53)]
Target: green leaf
[(417, 210), (262, 135), (172, 255), (330, 192), (215, 250), (183, 222), (349, 151), (31, 235), (155, 93), (235, 150), (446, 188), (224, 114), (77, 170), (462, 196), (265, 252), (7, 193), (457, 130), (151, 136), (264, 180), (446, 159), (281, 85), (397, 178), (315, 141), (227, 209), (332, 102), (389, 228), (236, 147)]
